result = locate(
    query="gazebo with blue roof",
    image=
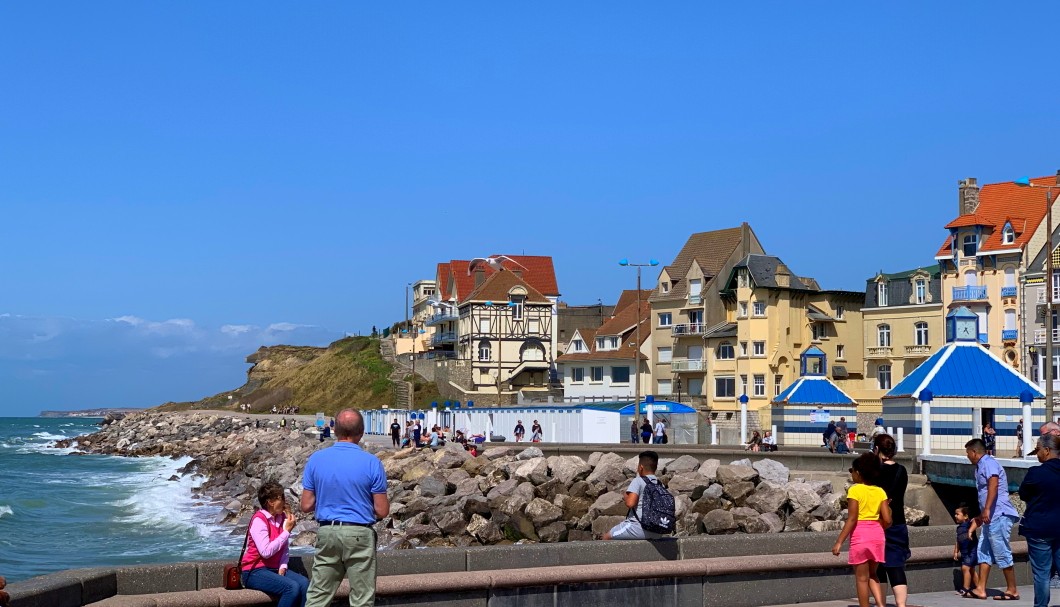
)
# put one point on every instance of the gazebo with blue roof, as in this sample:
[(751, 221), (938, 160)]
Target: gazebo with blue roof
[(802, 411), (946, 400)]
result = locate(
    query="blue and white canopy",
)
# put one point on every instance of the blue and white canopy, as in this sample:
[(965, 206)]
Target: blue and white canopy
[(964, 370), (813, 390)]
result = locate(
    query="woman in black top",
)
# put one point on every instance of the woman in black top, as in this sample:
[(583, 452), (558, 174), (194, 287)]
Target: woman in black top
[(893, 480), (1040, 490)]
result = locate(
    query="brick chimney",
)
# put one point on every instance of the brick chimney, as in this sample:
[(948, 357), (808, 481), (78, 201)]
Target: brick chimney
[(782, 276), (967, 196)]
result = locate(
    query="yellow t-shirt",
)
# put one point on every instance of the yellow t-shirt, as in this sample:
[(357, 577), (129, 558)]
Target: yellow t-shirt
[(869, 499)]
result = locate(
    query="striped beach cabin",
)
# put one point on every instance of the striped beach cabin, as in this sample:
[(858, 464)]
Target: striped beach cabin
[(801, 412)]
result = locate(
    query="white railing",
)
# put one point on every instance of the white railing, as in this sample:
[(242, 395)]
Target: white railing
[(916, 350), (880, 351), (692, 328), (1039, 336), (687, 364)]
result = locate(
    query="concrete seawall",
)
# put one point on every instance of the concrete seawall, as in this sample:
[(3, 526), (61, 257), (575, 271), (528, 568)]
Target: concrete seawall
[(708, 571)]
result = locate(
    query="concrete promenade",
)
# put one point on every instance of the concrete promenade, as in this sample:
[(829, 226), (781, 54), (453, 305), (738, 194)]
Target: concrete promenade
[(934, 599)]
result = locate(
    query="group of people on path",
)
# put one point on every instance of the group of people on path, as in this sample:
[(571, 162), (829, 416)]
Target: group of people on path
[(647, 434), (345, 487), (413, 435), (536, 433), (757, 442)]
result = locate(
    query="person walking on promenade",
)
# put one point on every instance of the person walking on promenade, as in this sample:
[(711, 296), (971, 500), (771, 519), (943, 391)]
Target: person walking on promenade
[(519, 431), (660, 432), (264, 563), (996, 517), (417, 430), (1019, 438), (894, 479), (868, 514), (990, 440), (1040, 490), (634, 432), (345, 486), (536, 433), (645, 431), (395, 433)]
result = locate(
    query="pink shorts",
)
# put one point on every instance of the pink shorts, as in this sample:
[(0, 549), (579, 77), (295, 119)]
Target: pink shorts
[(867, 543)]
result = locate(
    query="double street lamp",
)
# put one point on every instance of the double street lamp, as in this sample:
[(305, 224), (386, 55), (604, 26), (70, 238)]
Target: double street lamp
[(636, 353), (1025, 182)]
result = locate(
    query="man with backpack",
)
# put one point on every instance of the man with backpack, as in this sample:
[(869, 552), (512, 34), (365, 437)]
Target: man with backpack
[(651, 507)]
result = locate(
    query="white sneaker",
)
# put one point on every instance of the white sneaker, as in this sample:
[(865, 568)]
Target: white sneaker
[(1054, 582)]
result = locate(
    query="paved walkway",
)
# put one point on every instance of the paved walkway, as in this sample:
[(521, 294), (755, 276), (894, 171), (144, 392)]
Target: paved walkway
[(936, 599)]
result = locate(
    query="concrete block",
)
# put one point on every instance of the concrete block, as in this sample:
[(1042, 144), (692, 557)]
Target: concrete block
[(536, 596), (210, 574), (689, 592), (754, 544), (944, 535), (96, 583), (139, 600), (478, 598), (751, 590), (200, 598), (150, 579), (57, 590), (608, 594), (434, 560), (576, 553)]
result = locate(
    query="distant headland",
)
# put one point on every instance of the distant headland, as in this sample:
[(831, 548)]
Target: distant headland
[(100, 412)]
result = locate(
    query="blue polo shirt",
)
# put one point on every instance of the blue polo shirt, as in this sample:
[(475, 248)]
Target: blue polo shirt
[(986, 468), (343, 478)]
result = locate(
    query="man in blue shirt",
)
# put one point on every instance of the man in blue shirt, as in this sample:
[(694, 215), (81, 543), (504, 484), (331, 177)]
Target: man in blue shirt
[(346, 488), (996, 517)]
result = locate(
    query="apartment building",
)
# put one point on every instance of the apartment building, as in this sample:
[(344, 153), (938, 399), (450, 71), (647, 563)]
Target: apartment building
[(984, 258), (1033, 326), (686, 307), (902, 320), (600, 363), (772, 316)]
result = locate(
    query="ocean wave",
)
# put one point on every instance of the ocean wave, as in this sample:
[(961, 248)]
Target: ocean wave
[(6, 510), (49, 436), (159, 502)]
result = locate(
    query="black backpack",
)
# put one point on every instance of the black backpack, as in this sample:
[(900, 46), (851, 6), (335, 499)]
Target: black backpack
[(658, 509)]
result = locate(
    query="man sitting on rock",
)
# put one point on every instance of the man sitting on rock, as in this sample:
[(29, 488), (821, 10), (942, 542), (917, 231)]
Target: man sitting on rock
[(630, 529)]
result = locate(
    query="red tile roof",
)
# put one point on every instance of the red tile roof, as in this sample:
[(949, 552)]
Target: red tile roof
[(497, 286), (622, 324), (442, 281), (537, 271), (1000, 203)]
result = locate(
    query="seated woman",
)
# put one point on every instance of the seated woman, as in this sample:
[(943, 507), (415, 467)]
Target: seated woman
[(755, 443), (264, 564)]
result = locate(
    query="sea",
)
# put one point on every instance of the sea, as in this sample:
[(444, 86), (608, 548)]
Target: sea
[(60, 510)]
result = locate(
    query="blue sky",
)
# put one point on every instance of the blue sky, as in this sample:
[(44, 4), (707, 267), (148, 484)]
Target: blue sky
[(288, 168)]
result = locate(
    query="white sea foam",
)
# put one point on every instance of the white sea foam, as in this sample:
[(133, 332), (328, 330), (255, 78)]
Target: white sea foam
[(6, 510), (160, 502), (49, 436)]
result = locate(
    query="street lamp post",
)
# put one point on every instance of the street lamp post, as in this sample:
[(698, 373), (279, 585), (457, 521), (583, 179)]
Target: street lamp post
[(1025, 182), (407, 287), (636, 352)]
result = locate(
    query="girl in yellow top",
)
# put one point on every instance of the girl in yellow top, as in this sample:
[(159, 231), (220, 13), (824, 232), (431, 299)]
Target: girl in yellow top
[(868, 514)]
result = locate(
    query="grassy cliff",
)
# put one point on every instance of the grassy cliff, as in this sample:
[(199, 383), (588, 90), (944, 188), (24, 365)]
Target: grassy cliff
[(347, 373)]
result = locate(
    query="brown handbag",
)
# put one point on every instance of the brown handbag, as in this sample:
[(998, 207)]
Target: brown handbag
[(233, 579)]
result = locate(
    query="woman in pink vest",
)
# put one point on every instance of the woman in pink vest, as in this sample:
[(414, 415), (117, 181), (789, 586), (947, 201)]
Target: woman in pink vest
[(264, 564)]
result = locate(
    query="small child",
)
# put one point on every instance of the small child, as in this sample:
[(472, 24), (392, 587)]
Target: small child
[(965, 549), (868, 514)]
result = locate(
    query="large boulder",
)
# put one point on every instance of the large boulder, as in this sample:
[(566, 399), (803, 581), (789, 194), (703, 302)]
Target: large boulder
[(798, 521), (767, 497), (772, 471), (738, 491), (609, 504), (450, 522), (803, 497), (826, 526), (573, 507), (550, 489), (530, 453), (603, 524), (474, 465), (434, 485), (553, 532), (502, 489), (534, 470), (688, 482), (736, 474), (772, 521), (609, 472), (685, 463), (453, 455), (718, 522), (542, 512), (709, 469), (484, 529), (568, 468)]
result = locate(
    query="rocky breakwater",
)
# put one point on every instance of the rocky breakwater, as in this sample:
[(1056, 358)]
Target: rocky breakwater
[(448, 498)]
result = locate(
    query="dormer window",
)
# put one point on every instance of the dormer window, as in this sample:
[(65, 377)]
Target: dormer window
[(881, 294), (665, 287), (1008, 235), (971, 245), (578, 345), (606, 343)]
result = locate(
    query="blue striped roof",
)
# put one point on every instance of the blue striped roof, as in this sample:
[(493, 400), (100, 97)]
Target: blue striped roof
[(964, 370), (813, 390)]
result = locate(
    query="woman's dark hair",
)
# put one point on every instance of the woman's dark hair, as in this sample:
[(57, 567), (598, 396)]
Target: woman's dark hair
[(884, 443), (868, 466), (269, 491)]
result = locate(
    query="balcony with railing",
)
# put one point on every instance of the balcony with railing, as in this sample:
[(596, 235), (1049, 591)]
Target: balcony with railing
[(970, 293), (443, 338), (1039, 336), (447, 316), (917, 351), (1008, 291), (881, 352), (680, 365), (1010, 334), (692, 328)]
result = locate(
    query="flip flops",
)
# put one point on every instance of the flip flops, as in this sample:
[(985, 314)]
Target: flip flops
[(1006, 597), (964, 592)]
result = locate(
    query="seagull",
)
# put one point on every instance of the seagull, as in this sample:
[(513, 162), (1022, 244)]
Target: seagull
[(495, 262)]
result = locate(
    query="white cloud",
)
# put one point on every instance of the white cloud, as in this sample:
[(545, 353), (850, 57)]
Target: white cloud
[(237, 329), (286, 326)]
